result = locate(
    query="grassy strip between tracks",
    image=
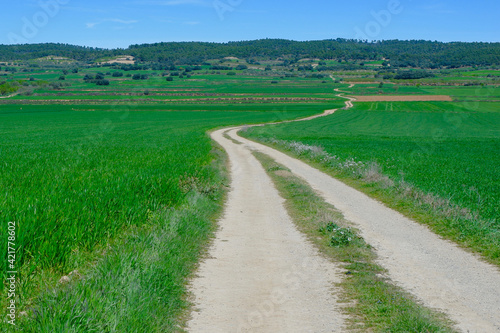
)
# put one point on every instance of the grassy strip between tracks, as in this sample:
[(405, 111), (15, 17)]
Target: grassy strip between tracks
[(372, 302)]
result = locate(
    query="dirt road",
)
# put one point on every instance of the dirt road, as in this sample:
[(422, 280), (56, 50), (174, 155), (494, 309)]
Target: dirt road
[(262, 274), (9, 96), (257, 247)]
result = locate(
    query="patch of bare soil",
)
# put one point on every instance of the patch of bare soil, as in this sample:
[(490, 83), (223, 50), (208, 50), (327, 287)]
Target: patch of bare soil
[(127, 60), (406, 98)]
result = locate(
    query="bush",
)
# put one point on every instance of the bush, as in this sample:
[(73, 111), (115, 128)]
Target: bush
[(56, 85), (231, 73), (117, 74), (170, 78), (102, 82), (413, 75), (221, 68)]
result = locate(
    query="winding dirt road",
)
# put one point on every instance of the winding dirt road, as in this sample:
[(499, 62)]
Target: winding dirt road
[(9, 96), (263, 276)]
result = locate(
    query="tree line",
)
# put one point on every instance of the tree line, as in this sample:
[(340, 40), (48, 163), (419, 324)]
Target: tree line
[(399, 53)]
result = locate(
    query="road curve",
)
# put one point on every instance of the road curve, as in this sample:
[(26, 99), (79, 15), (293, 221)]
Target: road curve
[(234, 286)]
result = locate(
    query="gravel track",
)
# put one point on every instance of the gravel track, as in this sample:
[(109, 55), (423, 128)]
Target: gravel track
[(262, 274), (258, 246)]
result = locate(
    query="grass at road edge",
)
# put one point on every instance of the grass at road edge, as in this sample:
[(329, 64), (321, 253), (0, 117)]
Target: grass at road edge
[(443, 217), (139, 285), (372, 302)]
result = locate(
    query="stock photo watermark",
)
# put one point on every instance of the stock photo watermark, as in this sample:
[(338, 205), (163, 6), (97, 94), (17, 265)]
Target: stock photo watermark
[(381, 19), (290, 281), (225, 6), (31, 26), (11, 273)]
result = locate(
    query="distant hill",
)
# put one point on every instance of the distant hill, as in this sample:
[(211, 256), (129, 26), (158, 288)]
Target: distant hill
[(414, 53)]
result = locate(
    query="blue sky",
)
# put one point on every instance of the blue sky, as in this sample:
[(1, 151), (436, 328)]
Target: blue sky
[(112, 23)]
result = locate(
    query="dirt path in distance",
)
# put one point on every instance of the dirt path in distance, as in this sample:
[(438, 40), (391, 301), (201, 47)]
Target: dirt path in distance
[(404, 98), (11, 95)]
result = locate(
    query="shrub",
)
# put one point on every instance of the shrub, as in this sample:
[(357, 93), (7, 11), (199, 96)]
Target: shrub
[(102, 82)]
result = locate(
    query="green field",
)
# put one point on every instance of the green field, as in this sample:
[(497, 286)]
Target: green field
[(76, 180), (200, 84), (446, 149), (123, 184)]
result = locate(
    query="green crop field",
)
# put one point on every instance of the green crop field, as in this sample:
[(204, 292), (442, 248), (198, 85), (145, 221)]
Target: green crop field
[(448, 150), (75, 180), (121, 183), (199, 84)]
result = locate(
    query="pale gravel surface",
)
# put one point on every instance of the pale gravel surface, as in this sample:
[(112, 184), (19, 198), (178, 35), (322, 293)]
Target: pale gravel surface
[(9, 96), (262, 275)]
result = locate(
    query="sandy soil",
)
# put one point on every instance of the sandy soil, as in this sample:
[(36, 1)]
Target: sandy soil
[(409, 98), (262, 274), (127, 60)]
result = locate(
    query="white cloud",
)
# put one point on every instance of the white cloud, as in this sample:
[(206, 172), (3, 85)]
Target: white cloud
[(91, 25), (438, 8), (203, 3)]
